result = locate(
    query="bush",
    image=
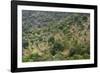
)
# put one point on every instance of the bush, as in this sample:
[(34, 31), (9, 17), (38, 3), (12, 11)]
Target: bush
[(59, 39)]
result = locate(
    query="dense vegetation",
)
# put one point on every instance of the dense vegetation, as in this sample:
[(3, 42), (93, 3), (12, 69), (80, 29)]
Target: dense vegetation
[(50, 36)]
